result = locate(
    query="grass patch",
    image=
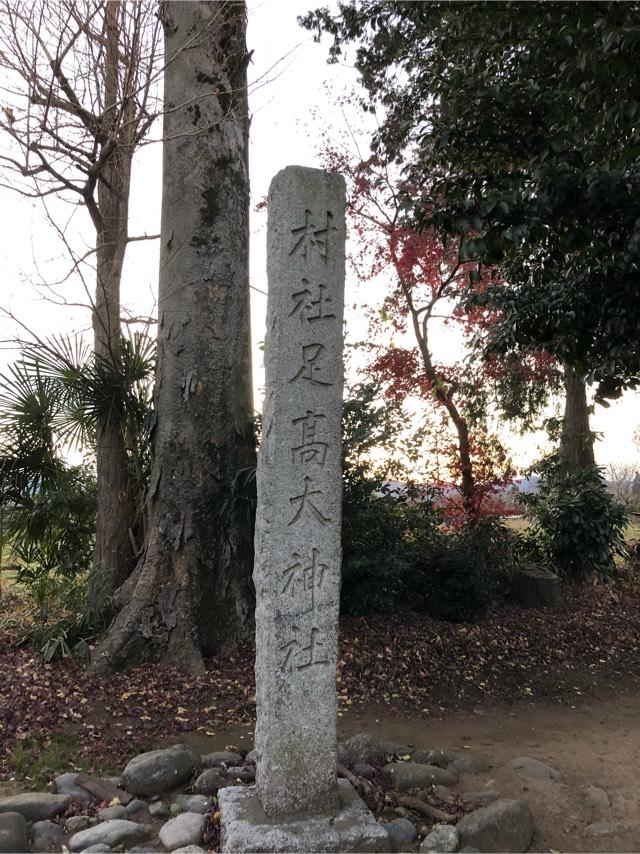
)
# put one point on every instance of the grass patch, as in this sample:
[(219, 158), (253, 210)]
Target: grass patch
[(39, 758)]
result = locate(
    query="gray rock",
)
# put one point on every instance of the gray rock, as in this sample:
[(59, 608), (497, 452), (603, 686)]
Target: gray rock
[(146, 848), (401, 832), (471, 763), (487, 797), (250, 758), (65, 784), (108, 813), (444, 793), (412, 775), (159, 809), (100, 848), (224, 758), (610, 828), (188, 849), (596, 799), (35, 806), (185, 829), (245, 774), (14, 836), (111, 833), (160, 771), (46, 836), (210, 781), (76, 823), (469, 849), (192, 803), (443, 838), (362, 748), (438, 756), (533, 768), (363, 769), (136, 806), (504, 826)]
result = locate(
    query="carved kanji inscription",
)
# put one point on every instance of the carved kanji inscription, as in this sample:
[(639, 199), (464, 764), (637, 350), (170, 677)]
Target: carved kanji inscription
[(312, 303), (308, 238), (298, 656), (310, 449), (303, 577), (311, 368), (307, 502)]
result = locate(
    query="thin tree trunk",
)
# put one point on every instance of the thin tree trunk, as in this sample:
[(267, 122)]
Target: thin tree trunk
[(577, 440), (192, 591), (467, 480), (113, 557)]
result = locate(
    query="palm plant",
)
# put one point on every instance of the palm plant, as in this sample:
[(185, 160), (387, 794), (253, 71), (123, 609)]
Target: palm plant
[(51, 401)]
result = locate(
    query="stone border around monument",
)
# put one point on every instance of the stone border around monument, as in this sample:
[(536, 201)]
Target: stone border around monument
[(246, 828)]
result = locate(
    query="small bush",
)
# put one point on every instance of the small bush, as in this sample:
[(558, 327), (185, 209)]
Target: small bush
[(576, 524), (375, 543), (457, 575)]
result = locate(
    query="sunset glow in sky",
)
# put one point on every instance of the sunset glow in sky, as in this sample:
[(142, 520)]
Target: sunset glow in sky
[(294, 100)]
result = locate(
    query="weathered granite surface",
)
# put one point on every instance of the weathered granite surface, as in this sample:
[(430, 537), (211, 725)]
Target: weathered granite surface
[(35, 806), (160, 771), (246, 827), (298, 525)]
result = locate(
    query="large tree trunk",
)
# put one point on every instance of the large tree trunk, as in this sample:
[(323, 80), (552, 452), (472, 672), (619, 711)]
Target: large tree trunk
[(114, 555), (576, 441), (192, 592)]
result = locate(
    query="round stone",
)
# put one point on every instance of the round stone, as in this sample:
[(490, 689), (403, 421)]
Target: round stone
[(401, 832), (443, 838)]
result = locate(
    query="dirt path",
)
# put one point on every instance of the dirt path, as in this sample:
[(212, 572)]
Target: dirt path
[(596, 743)]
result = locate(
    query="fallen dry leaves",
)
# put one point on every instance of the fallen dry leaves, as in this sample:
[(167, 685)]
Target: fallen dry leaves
[(406, 660)]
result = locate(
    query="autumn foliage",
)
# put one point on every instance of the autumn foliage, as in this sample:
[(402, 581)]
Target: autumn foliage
[(425, 290)]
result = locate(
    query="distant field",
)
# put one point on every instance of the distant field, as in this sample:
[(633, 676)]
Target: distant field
[(516, 523), (519, 523)]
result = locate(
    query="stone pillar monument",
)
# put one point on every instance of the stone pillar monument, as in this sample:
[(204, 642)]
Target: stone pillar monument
[(298, 804)]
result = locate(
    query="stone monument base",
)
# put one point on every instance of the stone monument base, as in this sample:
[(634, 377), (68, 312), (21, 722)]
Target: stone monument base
[(245, 827)]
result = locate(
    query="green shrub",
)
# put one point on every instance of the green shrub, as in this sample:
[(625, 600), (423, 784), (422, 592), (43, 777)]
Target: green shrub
[(49, 535), (456, 575), (576, 524), (375, 557), (375, 519)]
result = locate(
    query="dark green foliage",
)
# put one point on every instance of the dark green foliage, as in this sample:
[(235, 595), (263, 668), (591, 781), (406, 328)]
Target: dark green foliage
[(518, 126), (375, 559), (457, 575), (576, 524), (51, 401), (50, 531), (375, 553)]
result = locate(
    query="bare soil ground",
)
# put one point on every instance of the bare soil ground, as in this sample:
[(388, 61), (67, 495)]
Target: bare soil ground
[(559, 685), (596, 742)]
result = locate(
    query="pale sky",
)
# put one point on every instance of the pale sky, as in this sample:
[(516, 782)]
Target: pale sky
[(291, 107)]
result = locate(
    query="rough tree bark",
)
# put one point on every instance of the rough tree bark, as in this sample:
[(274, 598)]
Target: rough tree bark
[(192, 591), (114, 556), (576, 440)]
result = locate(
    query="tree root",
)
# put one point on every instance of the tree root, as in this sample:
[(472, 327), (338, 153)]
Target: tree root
[(368, 792), (424, 808)]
